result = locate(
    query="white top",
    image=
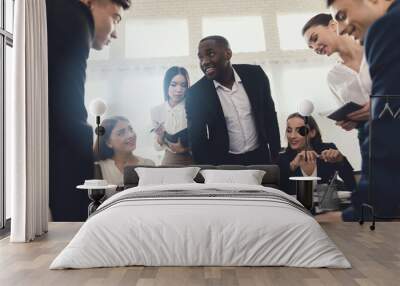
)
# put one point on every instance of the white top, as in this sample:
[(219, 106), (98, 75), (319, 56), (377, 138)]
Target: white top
[(113, 175), (348, 85), (238, 116), (173, 119)]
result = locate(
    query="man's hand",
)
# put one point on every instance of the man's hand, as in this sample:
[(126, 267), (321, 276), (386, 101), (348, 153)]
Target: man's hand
[(300, 159), (331, 156), (347, 124), (360, 115)]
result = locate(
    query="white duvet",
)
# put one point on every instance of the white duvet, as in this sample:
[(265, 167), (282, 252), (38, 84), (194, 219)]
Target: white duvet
[(200, 231)]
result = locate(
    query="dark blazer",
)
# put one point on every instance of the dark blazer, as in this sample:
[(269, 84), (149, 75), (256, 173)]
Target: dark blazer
[(70, 29), (382, 46), (382, 49), (208, 134), (324, 170)]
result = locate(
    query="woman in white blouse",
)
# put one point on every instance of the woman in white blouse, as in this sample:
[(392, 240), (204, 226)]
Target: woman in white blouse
[(349, 80), (169, 119), (116, 150)]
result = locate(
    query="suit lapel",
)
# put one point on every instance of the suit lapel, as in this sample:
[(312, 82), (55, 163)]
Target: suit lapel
[(215, 118), (250, 88), (254, 93)]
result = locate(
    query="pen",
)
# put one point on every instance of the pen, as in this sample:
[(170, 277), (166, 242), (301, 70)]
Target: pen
[(155, 128)]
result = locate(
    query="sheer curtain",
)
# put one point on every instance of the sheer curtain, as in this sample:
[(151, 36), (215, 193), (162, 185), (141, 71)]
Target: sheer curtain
[(27, 122)]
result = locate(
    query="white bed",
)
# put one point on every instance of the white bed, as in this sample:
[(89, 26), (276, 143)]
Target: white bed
[(239, 229)]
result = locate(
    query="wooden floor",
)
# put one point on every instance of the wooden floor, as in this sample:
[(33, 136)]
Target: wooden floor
[(375, 257)]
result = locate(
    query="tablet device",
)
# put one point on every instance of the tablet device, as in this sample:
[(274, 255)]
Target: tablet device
[(341, 113)]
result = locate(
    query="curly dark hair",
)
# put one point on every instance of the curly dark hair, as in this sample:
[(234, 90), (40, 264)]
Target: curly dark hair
[(223, 42)]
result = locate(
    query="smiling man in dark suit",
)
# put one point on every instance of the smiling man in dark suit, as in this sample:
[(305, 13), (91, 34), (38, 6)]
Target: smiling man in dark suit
[(375, 23), (230, 111)]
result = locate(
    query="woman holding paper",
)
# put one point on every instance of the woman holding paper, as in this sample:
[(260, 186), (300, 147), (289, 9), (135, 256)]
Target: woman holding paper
[(349, 80), (323, 159), (169, 119)]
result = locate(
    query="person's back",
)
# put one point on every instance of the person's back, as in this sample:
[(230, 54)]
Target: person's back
[(73, 28), (70, 30), (374, 23), (383, 55)]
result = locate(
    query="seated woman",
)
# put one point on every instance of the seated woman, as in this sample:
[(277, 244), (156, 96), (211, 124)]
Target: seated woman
[(116, 151), (169, 119), (323, 159)]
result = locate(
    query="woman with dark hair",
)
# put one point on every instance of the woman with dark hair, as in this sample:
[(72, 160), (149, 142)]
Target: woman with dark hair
[(323, 159), (169, 119), (349, 80), (116, 150)]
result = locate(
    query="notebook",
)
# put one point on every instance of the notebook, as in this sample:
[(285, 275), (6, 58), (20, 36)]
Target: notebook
[(341, 113), (173, 138)]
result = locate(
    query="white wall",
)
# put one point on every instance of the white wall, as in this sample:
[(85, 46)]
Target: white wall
[(131, 86)]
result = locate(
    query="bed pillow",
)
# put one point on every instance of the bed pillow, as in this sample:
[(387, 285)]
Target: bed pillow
[(248, 177), (166, 176)]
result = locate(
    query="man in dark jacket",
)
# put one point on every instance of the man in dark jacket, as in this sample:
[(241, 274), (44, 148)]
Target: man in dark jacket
[(375, 23), (230, 111), (73, 28)]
